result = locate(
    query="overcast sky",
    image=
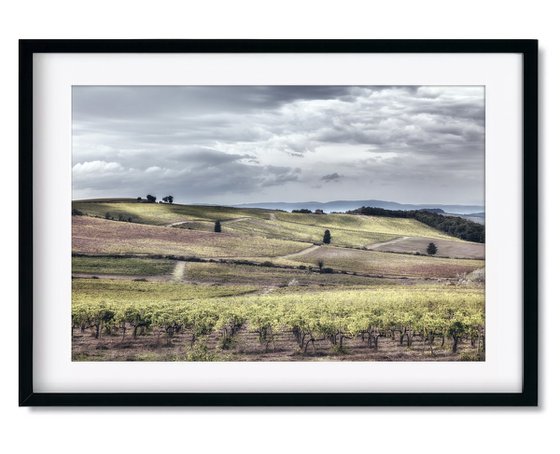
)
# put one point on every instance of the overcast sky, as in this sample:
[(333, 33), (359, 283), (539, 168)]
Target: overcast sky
[(239, 144)]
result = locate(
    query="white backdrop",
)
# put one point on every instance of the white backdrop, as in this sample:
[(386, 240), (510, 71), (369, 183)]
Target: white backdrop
[(277, 430)]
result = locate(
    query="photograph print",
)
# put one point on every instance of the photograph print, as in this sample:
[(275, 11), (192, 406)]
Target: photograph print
[(278, 223)]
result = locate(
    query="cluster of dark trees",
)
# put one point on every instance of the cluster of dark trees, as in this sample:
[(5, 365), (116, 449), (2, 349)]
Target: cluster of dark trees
[(120, 217), (152, 199), (452, 225), (303, 210), (306, 211)]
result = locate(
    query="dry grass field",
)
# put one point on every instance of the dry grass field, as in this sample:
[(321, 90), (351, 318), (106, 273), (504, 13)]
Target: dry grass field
[(446, 248), (101, 236), (388, 264)]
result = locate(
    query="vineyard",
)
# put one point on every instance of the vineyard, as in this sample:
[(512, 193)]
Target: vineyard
[(156, 282), (430, 322)]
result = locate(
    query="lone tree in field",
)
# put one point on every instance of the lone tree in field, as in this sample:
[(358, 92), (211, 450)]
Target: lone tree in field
[(327, 237), (168, 199), (217, 227), (431, 249), (151, 198)]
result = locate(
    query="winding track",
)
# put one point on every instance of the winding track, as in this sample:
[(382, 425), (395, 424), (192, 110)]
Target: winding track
[(227, 221), (302, 252), (385, 243)]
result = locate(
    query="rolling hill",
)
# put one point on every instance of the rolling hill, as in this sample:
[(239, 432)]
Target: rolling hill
[(346, 205)]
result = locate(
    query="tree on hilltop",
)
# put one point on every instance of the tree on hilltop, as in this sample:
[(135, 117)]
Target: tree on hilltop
[(151, 198)]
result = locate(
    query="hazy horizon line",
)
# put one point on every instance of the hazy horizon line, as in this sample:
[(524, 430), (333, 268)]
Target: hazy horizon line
[(287, 202)]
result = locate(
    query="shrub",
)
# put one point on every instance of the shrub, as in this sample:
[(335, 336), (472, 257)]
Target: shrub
[(431, 249), (200, 352), (76, 212)]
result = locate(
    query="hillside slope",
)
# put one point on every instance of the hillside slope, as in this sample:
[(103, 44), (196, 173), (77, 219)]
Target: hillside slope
[(346, 230)]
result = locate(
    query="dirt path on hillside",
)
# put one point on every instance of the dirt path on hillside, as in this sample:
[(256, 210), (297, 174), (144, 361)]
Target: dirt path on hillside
[(297, 254), (179, 271), (386, 243), (231, 221), (174, 224), (227, 221)]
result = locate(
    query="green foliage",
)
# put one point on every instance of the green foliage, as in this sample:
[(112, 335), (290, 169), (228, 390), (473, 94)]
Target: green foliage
[(327, 237), (452, 225), (200, 352), (310, 317)]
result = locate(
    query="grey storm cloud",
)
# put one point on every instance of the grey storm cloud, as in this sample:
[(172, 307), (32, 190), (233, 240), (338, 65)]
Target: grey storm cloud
[(331, 177), (234, 144)]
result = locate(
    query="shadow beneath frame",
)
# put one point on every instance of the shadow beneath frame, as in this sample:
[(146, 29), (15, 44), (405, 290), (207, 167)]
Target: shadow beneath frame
[(369, 410)]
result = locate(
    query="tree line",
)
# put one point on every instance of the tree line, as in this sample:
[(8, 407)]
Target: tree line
[(452, 225), (152, 199)]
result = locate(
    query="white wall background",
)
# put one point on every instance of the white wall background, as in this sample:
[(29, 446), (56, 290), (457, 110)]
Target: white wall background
[(280, 430)]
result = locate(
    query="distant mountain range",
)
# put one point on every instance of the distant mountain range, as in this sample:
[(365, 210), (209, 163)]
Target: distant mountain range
[(345, 205)]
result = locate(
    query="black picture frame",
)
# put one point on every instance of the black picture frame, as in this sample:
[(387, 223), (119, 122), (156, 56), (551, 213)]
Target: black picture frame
[(529, 394)]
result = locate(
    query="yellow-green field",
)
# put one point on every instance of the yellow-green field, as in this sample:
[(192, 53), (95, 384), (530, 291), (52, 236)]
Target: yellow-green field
[(163, 214), (122, 266), (310, 233), (106, 290), (394, 227)]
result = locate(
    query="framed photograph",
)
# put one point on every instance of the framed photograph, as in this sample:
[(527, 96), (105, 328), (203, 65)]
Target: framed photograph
[(323, 222)]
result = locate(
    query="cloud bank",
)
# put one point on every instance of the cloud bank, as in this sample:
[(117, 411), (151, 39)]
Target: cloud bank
[(239, 144)]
